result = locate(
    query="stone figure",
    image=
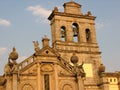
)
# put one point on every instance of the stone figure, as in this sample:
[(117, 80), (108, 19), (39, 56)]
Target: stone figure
[(36, 46)]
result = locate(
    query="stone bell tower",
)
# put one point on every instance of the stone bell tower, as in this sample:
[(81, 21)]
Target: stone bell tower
[(73, 31)]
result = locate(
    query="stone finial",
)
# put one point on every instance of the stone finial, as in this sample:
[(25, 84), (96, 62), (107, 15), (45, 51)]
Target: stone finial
[(102, 68), (13, 55), (55, 9), (89, 13), (45, 41), (74, 58)]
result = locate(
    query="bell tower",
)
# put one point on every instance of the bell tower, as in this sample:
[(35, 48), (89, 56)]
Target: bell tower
[(74, 32), (73, 28)]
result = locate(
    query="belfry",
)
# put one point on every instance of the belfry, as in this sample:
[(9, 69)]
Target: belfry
[(72, 62)]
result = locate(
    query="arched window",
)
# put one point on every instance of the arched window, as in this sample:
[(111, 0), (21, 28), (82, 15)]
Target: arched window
[(75, 29), (63, 33), (88, 35)]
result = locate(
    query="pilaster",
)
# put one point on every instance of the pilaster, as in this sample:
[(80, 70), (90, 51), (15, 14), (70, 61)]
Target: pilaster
[(82, 33), (56, 78), (93, 34), (80, 83), (15, 79), (57, 36), (69, 32), (9, 83), (38, 77), (104, 84)]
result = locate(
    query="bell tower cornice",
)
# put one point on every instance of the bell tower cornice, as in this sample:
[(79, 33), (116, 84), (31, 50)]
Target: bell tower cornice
[(71, 9), (70, 15)]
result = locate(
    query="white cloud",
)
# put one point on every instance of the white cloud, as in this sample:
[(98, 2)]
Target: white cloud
[(39, 11), (99, 25), (3, 51), (21, 58), (4, 22)]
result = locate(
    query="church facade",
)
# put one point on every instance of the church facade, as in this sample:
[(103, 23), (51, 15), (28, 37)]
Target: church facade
[(73, 62)]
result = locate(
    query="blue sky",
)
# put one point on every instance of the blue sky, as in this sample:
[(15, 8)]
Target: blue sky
[(24, 21)]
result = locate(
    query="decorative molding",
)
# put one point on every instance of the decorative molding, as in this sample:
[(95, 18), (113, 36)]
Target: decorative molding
[(47, 68)]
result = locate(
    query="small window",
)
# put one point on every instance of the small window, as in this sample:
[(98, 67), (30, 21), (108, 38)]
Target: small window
[(88, 35)]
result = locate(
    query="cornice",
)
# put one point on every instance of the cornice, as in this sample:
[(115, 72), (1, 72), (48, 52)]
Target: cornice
[(71, 15)]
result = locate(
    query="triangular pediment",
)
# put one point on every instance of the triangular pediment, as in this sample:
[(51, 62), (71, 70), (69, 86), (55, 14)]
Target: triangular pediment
[(47, 51), (45, 55)]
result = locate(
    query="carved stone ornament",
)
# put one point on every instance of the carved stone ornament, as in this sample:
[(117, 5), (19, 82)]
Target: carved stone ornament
[(47, 68), (67, 87), (12, 65), (74, 59), (36, 46), (13, 55)]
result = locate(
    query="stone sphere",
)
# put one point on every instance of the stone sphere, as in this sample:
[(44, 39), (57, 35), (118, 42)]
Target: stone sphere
[(13, 55), (74, 59)]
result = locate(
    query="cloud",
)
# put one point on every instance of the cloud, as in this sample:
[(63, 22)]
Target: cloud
[(3, 51), (99, 25), (39, 11), (4, 22), (21, 58)]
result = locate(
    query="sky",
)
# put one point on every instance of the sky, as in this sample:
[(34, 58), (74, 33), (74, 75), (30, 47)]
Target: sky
[(25, 21)]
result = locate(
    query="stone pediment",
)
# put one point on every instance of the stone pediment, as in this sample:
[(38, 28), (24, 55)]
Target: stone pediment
[(47, 51), (28, 66)]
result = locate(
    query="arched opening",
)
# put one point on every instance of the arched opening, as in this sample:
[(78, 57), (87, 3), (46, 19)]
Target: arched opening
[(88, 35), (63, 33), (27, 87), (75, 29), (67, 87)]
